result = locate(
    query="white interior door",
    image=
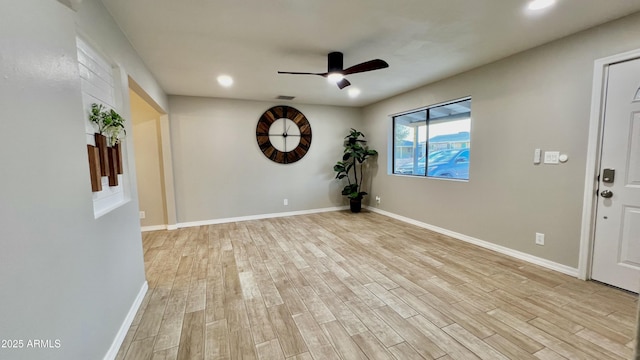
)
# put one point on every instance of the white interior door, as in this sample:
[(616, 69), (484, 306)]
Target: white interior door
[(616, 255)]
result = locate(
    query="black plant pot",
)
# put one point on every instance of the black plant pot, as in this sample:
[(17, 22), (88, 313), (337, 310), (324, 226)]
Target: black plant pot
[(355, 205)]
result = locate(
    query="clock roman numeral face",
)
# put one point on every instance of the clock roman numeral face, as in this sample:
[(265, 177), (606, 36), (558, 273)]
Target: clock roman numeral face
[(283, 134)]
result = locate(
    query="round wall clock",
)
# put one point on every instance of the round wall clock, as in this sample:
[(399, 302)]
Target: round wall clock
[(283, 134)]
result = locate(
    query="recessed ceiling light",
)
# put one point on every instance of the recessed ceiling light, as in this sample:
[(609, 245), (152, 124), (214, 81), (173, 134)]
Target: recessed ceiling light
[(354, 92), (540, 4), (225, 80)]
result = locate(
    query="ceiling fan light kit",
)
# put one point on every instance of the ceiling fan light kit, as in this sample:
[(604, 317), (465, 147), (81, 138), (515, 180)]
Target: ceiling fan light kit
[(336, 72), (334, 77)]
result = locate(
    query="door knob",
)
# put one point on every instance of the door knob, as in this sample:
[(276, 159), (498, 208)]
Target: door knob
[(606, 194)]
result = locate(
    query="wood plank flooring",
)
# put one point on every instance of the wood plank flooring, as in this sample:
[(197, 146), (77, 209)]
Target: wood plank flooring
[(338, 285)]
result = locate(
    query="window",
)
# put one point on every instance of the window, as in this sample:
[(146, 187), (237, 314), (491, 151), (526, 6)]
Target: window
[(433, 142)]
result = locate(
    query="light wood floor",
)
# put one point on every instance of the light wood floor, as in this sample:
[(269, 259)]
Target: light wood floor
[(362, 286)]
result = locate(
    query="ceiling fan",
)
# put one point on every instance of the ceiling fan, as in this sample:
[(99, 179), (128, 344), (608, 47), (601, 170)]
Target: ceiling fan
[(335, 71)]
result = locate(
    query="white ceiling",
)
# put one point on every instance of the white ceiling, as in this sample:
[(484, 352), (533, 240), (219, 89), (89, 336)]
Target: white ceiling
[(187, 44)]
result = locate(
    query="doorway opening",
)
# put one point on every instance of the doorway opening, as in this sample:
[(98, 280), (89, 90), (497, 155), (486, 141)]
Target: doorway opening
[(152, 150)]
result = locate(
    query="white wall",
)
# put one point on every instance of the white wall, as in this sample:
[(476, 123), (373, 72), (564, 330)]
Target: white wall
[(537, 99), (221, 173), (64, 275)]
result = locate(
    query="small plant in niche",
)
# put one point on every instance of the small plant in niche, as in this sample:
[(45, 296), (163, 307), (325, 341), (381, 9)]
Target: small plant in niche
[(109, 123)]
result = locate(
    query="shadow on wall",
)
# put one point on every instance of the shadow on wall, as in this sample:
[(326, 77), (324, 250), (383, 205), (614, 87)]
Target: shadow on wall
[(335, 193), (371, 170)]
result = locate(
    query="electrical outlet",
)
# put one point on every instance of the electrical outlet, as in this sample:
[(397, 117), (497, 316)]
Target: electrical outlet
[(539, 239), (286, 202), (378, 200), (142, 215)]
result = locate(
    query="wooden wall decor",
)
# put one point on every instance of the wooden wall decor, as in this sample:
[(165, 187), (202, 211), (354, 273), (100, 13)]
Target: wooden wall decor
[(118, 148), (108, 162), (113, 166), (101, 144), (94, 168)]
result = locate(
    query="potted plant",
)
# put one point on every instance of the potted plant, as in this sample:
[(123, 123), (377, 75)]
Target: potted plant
[(110, 130), (356, 153), (109, 123)]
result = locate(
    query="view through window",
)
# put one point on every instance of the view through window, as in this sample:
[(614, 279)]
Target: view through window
[(434, 142)]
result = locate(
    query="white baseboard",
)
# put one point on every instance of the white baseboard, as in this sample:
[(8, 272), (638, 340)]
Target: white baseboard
[(258, 217), (485, 244), (154, 228), (124, 328)]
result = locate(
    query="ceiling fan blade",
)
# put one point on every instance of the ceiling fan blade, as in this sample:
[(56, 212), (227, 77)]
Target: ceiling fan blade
[(366, 66), (301, 73), (334, 65), (343, 83)]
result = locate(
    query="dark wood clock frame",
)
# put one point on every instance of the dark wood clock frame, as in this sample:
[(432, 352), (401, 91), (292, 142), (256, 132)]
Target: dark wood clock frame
[(264, 125)]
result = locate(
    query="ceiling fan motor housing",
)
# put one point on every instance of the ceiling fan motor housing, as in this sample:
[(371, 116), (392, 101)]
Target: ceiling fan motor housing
[(335, 63)]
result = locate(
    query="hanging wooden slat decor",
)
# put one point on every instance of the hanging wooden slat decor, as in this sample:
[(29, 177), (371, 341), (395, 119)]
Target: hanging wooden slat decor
[(113, 166), (118, 148), (94, 168), (101, 144)]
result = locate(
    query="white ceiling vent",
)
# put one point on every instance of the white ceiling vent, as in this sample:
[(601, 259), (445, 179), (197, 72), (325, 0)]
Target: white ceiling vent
[(285, 97)]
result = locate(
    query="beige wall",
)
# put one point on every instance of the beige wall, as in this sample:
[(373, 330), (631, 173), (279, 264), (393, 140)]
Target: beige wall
[(221, 173), (148, 155), (537, 99)]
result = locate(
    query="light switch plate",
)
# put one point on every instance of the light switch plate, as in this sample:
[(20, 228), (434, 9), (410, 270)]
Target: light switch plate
[(551, 157), (536, 156)]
